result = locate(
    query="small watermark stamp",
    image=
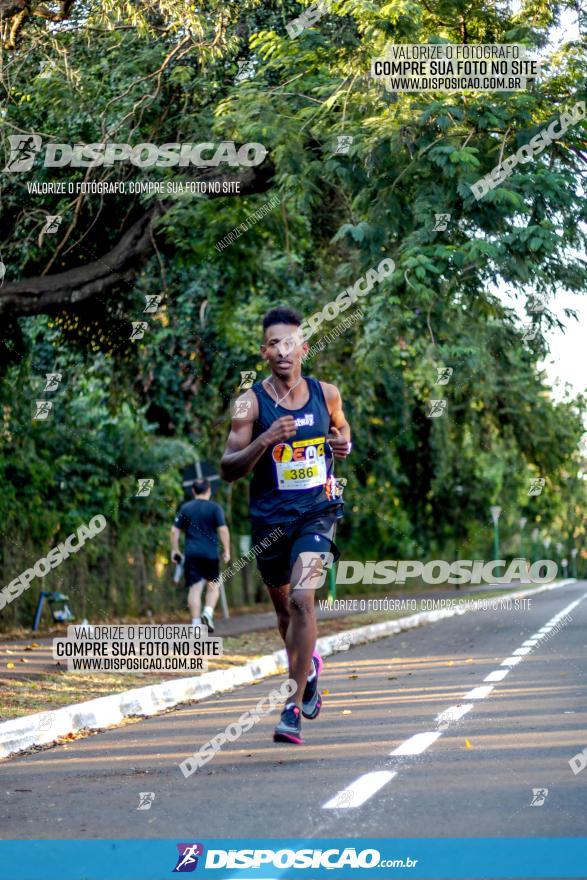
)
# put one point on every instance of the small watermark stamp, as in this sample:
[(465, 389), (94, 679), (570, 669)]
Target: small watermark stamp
[(152, 303), (441, 222), (247, 379), (536, 486), (343, 144), (146, 799), (436, 408), (444, 375), (539, 796), (139, 328)]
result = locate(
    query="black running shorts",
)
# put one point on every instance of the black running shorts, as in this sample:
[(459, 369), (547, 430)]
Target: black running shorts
[(311, 532), (196, 568)]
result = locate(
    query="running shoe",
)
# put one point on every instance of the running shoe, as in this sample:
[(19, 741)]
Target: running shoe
[(207, 621), (312, 699), (289, 729)]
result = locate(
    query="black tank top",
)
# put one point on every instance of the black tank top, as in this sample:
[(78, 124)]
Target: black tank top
[(292, 477)]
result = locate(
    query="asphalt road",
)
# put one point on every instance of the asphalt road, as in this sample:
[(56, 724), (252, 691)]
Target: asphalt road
[(471, 776)]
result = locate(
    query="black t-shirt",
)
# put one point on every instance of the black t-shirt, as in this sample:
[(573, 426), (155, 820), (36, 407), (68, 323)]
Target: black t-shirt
[(199, 519)]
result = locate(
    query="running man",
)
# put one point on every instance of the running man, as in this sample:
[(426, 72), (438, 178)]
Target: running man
[(286, 429), (203, 522)]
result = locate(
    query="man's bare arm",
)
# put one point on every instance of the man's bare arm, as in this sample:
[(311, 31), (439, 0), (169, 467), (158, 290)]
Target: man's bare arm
[(224, 535), (341, 430), (175, 533), (242, 452)]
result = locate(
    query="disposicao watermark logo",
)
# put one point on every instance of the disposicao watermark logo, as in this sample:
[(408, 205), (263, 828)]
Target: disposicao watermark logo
[(187, 860), (319, 859), (529, 151), (54, 557), (236, 729), (461, 571), (24, 148), (343, 301)]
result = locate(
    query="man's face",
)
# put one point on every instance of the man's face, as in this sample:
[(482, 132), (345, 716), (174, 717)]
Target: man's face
[(283, 350)]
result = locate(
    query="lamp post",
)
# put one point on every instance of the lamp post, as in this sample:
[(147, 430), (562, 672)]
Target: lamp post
[(522, 522), (547, 543), (495, 512), (534, 551), (559, 550), (574, 552)]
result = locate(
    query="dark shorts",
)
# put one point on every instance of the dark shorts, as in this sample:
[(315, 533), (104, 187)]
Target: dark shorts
[(312, 532), (196, 568)]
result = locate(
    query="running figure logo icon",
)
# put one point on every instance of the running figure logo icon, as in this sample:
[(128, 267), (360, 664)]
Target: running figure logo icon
[(146, 799), (53, 380), (314, 569), (436, 409), (441, 222), (52, 223), (187, 860), (152, 303), (344, 143), (138, 329), (242, 409), (43, 410), (23, 149), (539, 795), (247, 379), (444, 374), (536, 485)]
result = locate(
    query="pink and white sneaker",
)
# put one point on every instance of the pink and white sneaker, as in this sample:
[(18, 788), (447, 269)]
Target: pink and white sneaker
[(312, 699)]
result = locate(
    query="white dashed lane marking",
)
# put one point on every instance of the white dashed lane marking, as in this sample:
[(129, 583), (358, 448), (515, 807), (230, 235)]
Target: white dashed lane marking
[(417, 744), (359, 791), (479, 693), (453, 713), (497, 675)]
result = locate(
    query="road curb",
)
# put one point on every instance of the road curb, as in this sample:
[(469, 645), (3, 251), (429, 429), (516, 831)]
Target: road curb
[(45, 728)]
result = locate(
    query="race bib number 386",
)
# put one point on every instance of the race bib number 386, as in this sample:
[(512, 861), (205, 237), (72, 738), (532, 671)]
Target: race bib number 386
[(300, 465)]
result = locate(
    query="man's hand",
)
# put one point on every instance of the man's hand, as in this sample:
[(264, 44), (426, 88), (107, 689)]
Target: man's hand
[(177, 558), (226, 556), (281, 429), (339, 445)]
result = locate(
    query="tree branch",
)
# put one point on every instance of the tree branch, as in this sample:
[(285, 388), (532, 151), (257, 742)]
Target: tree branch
[(101, 278)]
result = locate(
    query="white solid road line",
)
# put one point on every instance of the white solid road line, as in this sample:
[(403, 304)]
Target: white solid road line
[(360, 790), (369, 784), (417, 744)]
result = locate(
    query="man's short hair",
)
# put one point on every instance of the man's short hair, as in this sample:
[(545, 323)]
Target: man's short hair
[(281, 315), (200, 486)]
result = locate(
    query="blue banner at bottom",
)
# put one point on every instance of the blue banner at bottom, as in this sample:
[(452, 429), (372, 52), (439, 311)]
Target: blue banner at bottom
[(270, 859)]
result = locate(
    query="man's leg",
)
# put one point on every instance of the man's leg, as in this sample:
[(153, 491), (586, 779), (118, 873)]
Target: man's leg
[(194, 601), (302, 630), (212, 595), (280, 599), (300, 640)]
